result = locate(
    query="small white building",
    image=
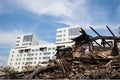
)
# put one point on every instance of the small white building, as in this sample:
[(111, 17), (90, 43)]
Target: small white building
[(27, 51)]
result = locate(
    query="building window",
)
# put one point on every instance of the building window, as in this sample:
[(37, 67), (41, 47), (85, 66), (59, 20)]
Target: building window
[(18, 67), (53, 52), (61, 47), (27, 38), (10, 63), (58, 35), (46, 53), (53, 48), (17, 41), (43, 49), (29, 58), (27, 50), (28, 63), (20, 51), (12, 55), (58, 39), (26, 44), (23, 58), (39, 57), (64, 35), (60, 31), (35, 57), (17, 44), (36, 49), (40, 53), (36, 53), (30, 54), (64, 39), (46, 57), (49, 48), (74, 31), (18, 37), (32, 50), (24, 54)]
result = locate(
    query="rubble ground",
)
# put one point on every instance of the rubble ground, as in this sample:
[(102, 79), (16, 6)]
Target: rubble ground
[(81, 61)]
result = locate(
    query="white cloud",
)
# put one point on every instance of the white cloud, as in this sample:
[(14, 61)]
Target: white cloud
[(49, 7), (9, 37), (71, 12)]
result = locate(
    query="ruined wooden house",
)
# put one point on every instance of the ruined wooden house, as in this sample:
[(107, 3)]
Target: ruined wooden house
[(88, 45)]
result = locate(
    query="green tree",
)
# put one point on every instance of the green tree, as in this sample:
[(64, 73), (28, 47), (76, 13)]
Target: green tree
[(8, 70)]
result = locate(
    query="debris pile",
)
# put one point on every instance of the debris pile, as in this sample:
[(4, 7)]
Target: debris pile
[(86, 59)]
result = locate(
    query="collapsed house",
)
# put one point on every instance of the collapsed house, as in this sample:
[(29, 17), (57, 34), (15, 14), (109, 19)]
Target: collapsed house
[(84, 45), (86, 59)]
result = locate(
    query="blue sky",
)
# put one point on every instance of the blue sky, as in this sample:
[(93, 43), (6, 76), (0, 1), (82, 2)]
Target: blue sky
[(43, 17)]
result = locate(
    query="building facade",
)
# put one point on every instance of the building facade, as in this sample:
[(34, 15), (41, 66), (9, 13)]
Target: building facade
[(64, 36), (27, 51), (26, 40)]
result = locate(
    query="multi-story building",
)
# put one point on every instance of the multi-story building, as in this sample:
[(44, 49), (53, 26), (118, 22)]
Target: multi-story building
[(27, 51), (64, 36)]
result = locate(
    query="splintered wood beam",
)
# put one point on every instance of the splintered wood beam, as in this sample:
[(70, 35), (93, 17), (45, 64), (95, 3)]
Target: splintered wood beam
[(110, 31), (100, 37), (38, 70), (83, 31), (95, 31)]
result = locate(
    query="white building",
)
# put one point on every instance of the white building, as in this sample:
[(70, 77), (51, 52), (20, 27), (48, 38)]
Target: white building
[(27, 51), (64, 36), (26, 40)]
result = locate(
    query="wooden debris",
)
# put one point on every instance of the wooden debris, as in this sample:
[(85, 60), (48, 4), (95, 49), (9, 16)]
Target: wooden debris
[(82, 61)]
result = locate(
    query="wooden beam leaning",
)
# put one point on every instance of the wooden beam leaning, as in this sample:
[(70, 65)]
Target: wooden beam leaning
[(115, 50), (100, 36), (110, 31), (93, 39)]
